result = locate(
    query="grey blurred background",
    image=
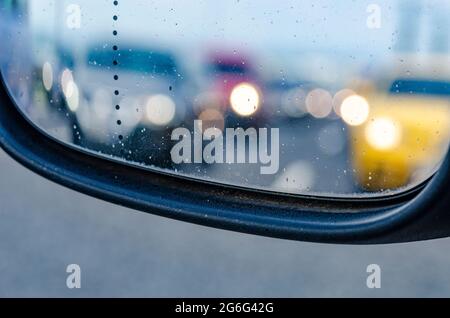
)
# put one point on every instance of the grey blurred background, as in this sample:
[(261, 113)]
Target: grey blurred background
[(45, 227)]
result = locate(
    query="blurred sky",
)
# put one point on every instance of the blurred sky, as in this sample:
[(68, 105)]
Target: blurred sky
[(272, 30), (268, 24)]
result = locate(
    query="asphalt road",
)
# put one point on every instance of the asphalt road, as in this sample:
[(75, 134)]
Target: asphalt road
[(44, 227)]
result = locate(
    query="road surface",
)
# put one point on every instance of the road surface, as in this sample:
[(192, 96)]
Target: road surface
[(45, 227)]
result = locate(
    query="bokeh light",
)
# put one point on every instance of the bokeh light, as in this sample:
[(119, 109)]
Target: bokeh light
[(383, 133), (160, 110), (319, 103), (355, 110), (245, 99)]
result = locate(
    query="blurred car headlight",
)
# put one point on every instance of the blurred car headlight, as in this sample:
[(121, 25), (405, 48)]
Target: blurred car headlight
[(66, 80), (47, 76), (73, 99), (383, 133), (160, 110), (339, 98), (355, 110), (319, 103), (70, 90), (245, 99)]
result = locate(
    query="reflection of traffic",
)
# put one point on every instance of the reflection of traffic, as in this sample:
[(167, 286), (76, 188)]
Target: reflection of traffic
[(129, 102), (14, 58), (231, 89), (367, 131), (130, 109), (406, 134)]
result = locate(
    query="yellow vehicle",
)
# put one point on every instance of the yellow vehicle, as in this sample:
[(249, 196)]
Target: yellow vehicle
[(405, 136)]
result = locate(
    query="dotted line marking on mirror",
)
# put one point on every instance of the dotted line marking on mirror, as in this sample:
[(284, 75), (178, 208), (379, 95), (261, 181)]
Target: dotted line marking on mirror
[(115, 62)]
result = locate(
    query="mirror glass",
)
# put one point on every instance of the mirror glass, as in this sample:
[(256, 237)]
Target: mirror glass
[(330, 98)]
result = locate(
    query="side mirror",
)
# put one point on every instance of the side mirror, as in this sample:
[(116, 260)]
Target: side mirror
[(158, 128)]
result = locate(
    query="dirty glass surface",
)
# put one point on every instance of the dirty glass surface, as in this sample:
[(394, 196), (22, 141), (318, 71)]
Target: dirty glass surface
[(331, 98)]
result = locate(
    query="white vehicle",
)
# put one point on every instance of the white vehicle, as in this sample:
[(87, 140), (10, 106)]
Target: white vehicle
[(126, 97)]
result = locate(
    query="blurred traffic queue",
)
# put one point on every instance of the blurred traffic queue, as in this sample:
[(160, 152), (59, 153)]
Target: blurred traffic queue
[(401, 127)]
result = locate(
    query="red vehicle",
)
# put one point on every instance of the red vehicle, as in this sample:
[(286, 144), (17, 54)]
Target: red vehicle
[(233, 88)]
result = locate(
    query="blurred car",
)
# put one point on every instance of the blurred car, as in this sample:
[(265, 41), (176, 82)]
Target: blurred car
[(233, 92), (128, 101), (51, 68), (33, 75), (392, 148), (287, 100)]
